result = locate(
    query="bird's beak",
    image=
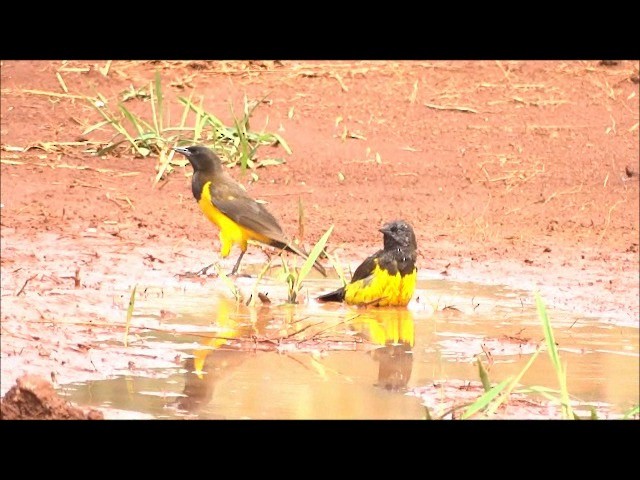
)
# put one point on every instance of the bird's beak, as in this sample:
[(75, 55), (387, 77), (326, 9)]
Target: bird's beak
[(181, 150), (384, 230)]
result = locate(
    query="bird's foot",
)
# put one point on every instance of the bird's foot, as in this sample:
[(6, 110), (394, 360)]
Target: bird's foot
[(204, 270), (239, 275)]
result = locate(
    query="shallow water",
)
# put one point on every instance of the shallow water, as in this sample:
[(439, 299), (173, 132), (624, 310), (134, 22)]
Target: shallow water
[(318, 361)]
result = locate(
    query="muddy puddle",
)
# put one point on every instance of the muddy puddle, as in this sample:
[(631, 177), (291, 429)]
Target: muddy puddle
[(314, 361)]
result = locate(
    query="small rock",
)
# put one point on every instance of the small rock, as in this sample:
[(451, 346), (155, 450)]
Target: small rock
[(34, 398)]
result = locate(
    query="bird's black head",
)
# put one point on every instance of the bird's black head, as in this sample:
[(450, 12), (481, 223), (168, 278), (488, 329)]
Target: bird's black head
[(398, 234), (201, 158)]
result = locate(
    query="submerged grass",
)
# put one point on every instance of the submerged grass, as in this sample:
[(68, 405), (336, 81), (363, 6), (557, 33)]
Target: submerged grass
[(235, 291)]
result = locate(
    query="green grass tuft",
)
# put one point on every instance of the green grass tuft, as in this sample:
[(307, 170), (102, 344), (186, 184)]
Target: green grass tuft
[(149, 135), (495, 396), (294, 278)]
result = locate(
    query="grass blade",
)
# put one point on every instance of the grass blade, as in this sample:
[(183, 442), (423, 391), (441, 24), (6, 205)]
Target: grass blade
[(634, 412), (254, 295), (134, 121), (229, 283), (201, 120), (548, 332), (159, 99), (505, 395), (561, 372), (108, 148), (313, 256), (281, 141), (548, 393), (164, 165), (199, 110), (242, 143), (95, 127), (484, 377), (185, 112), (485, 399), (132, 301), (337, 265), (61, 82), (114, 122), (300, 220)]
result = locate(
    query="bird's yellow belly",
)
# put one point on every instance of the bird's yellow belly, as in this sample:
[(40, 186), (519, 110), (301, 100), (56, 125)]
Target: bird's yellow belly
[(230, 232), (382, 289)]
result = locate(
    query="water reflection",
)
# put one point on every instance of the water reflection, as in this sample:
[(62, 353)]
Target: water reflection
[(216, 359), (200, 382), (314, 361), (394, 330), (237, 327)]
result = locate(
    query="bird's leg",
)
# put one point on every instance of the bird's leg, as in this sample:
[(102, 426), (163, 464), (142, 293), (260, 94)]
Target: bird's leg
[(235, 268)]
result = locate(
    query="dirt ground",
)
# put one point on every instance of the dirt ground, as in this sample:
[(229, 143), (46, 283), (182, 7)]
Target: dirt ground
[(516, 172)]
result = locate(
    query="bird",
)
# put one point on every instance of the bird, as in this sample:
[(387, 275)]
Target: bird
[(386, 278), (226, 204)]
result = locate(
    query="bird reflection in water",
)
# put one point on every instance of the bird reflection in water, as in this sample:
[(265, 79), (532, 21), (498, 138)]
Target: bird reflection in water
[(393, 328), (200, 383), (390, 329), (217, 359)]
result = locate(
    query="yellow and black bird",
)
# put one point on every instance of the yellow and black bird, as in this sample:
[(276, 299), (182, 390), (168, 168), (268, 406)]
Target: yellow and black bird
[(226, 204), (386, 278)]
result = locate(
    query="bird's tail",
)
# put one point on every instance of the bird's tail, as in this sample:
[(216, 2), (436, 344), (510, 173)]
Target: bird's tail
[(287, 246), (335, 296)]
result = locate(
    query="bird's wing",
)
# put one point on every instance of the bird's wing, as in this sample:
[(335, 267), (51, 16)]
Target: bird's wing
[(233, 201), (366, 267)]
